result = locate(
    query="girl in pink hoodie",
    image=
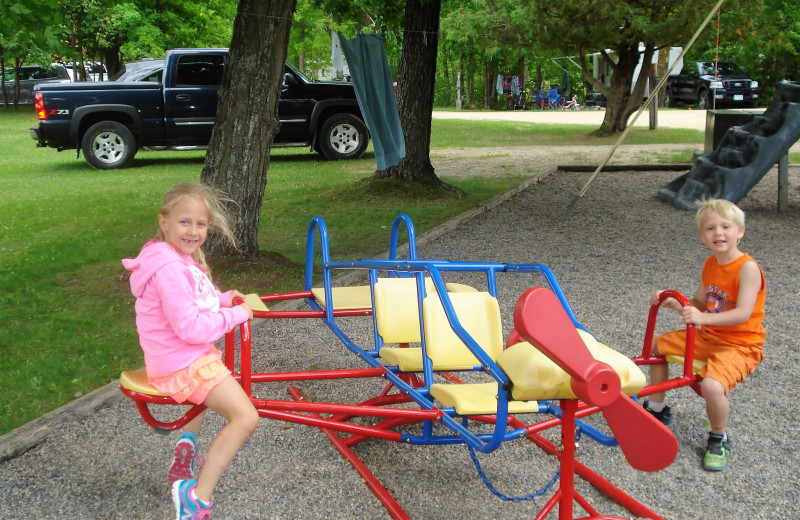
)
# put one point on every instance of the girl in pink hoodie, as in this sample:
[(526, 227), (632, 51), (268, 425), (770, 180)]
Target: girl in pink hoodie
[(179, 316)]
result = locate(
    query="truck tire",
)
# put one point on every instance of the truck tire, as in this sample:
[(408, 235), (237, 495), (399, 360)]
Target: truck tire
[(703, 100), (669, 99), (343, 136), (108, 145)]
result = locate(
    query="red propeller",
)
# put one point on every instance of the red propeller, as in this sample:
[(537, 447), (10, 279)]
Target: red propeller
[(540, 319)]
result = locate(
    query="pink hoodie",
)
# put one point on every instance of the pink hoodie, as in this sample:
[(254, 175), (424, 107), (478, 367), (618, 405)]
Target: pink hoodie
[(179, 314)]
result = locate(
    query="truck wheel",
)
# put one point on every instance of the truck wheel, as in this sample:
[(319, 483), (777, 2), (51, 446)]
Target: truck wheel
[(669, 100), (703, 100), (108, 145), (343, 136)]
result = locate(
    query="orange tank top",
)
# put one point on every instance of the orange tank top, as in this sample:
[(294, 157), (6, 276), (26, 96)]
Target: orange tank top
[(722, 292)]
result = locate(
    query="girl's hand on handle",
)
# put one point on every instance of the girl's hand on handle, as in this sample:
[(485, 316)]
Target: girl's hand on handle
[(235, 294), (248, 309)]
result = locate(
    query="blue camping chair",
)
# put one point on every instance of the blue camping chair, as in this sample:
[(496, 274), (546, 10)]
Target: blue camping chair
[(554, 99)]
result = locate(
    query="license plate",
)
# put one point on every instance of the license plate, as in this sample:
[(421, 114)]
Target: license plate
[(738, 97)]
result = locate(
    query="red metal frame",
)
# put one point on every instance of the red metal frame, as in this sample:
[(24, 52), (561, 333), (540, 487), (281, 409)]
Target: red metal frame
[(298, 410), (688, 377)]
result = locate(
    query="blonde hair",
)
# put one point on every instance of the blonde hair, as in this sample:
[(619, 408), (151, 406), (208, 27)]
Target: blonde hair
[(724, 208), (218, 216)]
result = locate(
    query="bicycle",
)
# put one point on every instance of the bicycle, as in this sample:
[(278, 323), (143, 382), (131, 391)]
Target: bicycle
[(572, 105)]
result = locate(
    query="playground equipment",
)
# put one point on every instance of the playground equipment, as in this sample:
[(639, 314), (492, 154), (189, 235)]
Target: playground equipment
[(430, 336), (744, 155)]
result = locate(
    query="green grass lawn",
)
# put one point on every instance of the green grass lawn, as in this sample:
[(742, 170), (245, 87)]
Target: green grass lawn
[(67, 312)]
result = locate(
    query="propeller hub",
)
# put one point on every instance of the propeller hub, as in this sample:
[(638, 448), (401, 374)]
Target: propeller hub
[(601, 386)]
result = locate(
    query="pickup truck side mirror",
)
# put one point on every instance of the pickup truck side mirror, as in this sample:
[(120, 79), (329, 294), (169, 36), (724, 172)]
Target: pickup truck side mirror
[(288, 79)]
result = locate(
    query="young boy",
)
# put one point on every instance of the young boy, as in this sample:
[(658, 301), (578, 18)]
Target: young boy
[(728, 308)]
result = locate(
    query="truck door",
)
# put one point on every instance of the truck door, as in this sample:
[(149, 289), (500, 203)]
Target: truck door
[(190, 100), (295, 108)]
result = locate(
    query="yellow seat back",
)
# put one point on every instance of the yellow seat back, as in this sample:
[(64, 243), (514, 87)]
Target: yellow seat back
[(479, 314), (397, 309)]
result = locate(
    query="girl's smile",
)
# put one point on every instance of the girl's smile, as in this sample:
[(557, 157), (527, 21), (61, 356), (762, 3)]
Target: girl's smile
[(185, 227)]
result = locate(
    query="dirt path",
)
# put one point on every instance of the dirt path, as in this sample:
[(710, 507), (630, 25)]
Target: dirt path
[(528, 160), (692, 119), (490, 162)]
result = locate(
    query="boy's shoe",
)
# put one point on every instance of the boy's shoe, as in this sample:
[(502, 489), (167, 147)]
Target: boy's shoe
[(183, 459), (187, 506), (665, 415), (717, 453)]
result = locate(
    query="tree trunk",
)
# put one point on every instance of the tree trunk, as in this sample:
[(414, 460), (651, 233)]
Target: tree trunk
[(112, 60), (623, 98), (416, 77), (469, 83), (489, 86), (661, 69), (447, 79), (238, 153)]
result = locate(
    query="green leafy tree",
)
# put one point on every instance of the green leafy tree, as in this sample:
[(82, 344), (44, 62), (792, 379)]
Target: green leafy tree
[(491, 37), (623, 32), (763, 37), (28, 30)]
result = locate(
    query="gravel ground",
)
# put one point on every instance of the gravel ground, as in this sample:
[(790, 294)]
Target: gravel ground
[(609, 254)]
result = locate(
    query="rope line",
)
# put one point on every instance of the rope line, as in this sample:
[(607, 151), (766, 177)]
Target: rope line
[(530, 496)]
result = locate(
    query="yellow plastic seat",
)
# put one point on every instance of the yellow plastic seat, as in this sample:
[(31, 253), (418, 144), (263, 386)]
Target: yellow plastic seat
[(397, 319), (136, 380), (477, 399), (534, 376), (479, 314), (459, 287), (697, 364), (345, 298)]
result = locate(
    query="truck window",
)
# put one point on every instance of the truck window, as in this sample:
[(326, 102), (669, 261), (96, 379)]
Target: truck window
[(205, 70)]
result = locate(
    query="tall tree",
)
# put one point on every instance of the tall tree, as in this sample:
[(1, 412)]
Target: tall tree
[(238, 153), (415, 85), (27, 34), (761, 36), (623, 32)]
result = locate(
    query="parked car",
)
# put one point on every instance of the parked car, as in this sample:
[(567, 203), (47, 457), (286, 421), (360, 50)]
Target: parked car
[(698, 84), (95, 71), (29, 76), (143, 70), (110, 121)]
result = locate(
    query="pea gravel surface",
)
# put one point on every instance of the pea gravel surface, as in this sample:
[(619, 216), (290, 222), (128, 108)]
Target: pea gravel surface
[(609, 253)]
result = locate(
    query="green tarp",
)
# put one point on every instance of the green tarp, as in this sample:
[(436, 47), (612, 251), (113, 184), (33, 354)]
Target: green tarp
[(369, 68)]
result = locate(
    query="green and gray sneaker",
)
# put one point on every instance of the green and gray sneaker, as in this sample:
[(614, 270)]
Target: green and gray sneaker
[(717, 453), (665, 415)]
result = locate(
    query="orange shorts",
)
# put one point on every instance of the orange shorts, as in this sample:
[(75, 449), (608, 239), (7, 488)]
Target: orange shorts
[(728, 364), (195, 382)]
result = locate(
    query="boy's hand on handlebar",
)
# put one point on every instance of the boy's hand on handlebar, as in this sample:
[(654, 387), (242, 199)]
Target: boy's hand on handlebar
[(692, 314), (670, 303)]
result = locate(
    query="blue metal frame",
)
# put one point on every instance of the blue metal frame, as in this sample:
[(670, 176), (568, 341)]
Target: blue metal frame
[(433, 269)]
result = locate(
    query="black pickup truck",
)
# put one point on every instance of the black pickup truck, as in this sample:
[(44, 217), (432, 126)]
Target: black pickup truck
[(697, 84), (110, 121)]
